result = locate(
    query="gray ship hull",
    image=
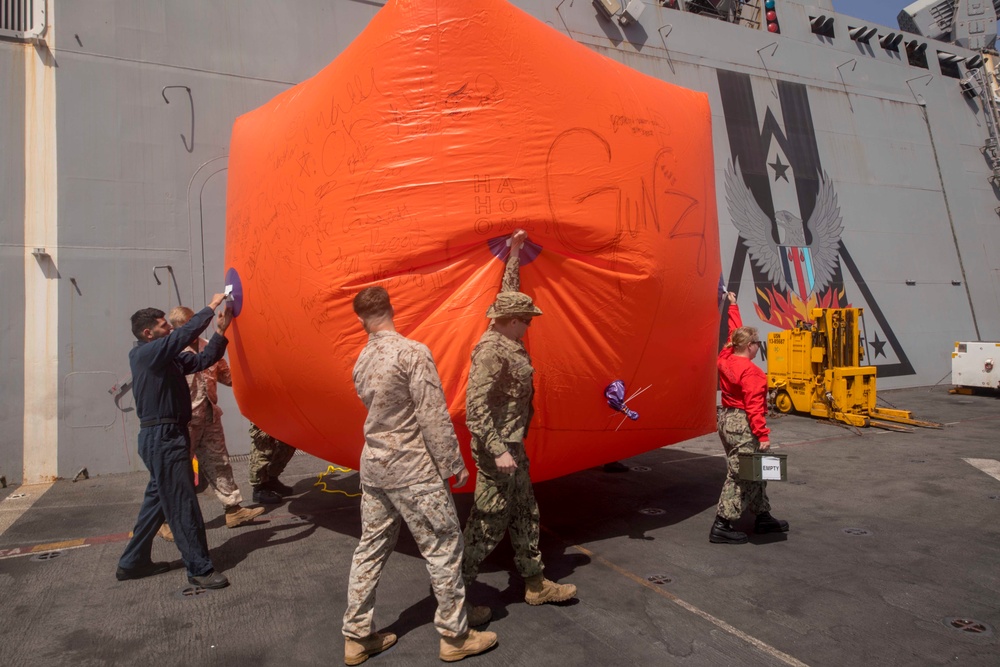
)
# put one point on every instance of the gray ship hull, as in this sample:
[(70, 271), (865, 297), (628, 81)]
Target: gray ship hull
[(113, 179)]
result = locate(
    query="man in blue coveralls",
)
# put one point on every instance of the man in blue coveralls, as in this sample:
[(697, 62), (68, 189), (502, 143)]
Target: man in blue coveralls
[(163, 405)]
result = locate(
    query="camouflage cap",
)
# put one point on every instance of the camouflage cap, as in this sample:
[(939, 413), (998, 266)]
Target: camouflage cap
[(512, 304)]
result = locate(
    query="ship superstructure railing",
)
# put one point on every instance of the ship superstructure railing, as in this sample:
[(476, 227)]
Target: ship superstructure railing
[(749, 14), (981, 82), (741, 12)]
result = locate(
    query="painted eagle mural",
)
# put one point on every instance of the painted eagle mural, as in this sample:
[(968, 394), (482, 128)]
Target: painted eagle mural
[(796, 263)]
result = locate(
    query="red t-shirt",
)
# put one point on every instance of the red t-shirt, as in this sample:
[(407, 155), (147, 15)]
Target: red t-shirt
[(743, 384)]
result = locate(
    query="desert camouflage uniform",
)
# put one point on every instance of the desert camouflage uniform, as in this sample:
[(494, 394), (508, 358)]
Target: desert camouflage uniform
[(268, 456), (498, 411), (410, 449), (734, 429), (208, 442)]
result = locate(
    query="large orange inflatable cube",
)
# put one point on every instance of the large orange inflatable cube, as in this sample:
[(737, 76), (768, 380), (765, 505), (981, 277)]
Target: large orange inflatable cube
[(409, 161)]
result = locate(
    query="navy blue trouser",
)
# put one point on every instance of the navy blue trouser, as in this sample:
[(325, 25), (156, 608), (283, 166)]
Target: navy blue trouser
[(170, 497)]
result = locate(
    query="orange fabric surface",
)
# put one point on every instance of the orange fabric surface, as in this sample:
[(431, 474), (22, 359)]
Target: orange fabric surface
[(444, 126)]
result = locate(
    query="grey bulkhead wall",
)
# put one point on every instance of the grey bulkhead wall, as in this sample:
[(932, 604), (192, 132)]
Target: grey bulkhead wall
[(12, 258), (113, 121), (124, 172)]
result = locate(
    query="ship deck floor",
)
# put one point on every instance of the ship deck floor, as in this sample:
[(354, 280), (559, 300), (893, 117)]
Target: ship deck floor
[(893, 558)]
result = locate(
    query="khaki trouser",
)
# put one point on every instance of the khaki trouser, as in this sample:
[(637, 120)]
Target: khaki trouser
[(208, 443), (429, 512)]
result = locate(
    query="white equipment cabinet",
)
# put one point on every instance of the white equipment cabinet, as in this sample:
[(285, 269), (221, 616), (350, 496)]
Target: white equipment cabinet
[(973, 365)]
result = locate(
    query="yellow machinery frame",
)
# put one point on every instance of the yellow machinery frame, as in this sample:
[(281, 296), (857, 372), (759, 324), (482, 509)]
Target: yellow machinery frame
[(817, 370)]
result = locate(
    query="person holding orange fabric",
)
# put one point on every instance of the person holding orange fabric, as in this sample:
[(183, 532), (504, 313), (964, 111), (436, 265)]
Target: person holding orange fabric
[(743, 430)]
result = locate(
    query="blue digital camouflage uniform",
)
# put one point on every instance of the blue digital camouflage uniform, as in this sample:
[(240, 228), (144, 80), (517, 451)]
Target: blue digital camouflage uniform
[(498, 411)]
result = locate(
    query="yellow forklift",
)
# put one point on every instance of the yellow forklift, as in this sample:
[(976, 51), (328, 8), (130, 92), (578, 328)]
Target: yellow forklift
[(816, 369)]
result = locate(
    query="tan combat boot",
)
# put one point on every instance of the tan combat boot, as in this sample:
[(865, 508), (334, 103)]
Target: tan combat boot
[(478, 615), (165, 533), (539, 590), (237, 516), (357, 651), (472, 642)]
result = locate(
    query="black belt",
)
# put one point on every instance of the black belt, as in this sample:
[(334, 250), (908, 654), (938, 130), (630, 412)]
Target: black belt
[(157, 422)]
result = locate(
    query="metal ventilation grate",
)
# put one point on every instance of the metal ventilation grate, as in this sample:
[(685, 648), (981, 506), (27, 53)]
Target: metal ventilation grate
[(944, 13), (22, 19)]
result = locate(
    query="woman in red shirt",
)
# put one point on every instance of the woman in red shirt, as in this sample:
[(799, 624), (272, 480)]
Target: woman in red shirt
[(743, 430)]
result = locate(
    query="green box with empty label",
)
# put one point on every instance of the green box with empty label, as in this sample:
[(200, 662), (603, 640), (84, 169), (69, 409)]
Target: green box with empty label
[(763, 467)]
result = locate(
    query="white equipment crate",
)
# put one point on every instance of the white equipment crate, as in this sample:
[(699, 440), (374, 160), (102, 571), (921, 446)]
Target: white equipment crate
[(973, 364)]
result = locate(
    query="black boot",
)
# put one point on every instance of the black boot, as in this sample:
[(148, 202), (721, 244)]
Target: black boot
[(279, 488), (766, 523), (265, 496), (724, 533)]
